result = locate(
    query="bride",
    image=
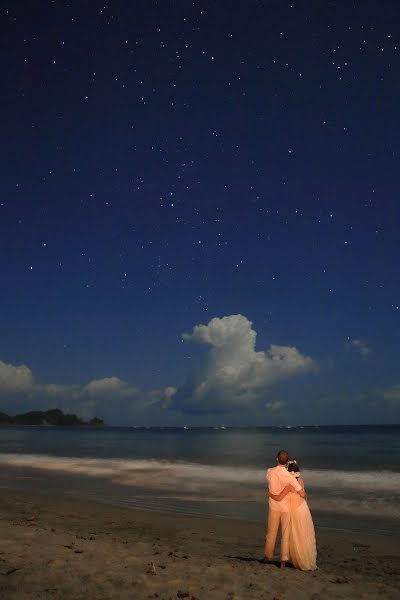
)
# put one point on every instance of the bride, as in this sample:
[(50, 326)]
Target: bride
[(302, 545)]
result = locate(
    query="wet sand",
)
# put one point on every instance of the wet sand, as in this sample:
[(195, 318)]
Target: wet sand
[(71, 549)]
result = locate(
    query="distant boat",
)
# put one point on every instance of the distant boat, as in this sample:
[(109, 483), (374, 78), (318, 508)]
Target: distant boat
[(186, 427)]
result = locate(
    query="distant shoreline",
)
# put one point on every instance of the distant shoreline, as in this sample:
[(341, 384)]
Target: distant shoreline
[(49, 418), (51, 425), (280, 428)]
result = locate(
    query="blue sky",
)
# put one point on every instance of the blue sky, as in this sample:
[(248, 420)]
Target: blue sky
[(172, 167)]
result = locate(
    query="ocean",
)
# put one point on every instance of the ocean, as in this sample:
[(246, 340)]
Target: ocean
[(352, 474)]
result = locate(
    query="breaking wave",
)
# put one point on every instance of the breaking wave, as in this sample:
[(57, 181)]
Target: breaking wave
[(368, 493)]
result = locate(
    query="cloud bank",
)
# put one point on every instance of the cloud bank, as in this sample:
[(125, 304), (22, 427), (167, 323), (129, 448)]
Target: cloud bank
[(19, 392), (234, 377)]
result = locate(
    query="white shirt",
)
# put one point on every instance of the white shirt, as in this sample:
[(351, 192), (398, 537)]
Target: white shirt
[(278, 478)]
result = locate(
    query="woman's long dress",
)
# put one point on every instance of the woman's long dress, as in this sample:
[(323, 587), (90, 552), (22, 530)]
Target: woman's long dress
[(302, 545)]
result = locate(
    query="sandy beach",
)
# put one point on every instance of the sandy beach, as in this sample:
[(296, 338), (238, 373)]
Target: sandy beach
[(68, 549)]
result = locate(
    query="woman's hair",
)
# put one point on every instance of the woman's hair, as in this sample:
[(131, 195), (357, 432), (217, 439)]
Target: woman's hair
[(293, 467)]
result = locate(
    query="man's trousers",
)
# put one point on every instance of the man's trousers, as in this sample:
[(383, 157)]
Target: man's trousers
[(276, 518)]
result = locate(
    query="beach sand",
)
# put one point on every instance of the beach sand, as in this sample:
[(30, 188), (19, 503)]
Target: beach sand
[(63, 548)]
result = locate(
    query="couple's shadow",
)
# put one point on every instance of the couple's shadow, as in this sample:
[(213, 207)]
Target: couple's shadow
[(261, 561)]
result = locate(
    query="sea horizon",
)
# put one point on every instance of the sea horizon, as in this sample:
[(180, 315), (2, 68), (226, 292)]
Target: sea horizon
[(208, 427)]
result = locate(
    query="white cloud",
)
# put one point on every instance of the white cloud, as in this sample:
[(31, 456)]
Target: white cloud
[(236, 375), (15, 379), (167, 396), (109, 386), (362, 347), (19, 392)]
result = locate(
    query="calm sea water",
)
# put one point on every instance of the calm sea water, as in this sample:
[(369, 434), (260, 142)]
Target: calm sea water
[(352, 474)]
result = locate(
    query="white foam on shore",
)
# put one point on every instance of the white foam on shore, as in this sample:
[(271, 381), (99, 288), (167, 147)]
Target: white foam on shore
[(370, 493)]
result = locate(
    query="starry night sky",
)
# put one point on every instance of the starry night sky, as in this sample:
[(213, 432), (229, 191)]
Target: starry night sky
[(228, 165)]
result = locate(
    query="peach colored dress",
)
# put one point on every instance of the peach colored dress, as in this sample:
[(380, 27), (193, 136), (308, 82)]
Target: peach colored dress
[(302, 544), (279, 511)]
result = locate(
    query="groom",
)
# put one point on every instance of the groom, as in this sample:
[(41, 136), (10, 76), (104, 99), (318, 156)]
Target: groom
[(279, 512)]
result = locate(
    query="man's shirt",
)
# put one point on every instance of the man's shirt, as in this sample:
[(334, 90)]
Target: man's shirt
[(278, 478)]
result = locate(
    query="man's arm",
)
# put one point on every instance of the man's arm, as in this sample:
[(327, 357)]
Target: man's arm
[(275, 482), (297, 487), (278, 497)]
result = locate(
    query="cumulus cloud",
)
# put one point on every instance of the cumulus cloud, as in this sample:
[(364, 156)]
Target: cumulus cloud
[(362, 347), (235, 375), (110, 386), (15, 379), (167, 395)]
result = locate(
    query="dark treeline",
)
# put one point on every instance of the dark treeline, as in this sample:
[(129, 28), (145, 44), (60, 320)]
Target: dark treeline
[(48, 417)]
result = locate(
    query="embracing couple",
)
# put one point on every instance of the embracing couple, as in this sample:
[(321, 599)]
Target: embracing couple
[(288, 507)]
